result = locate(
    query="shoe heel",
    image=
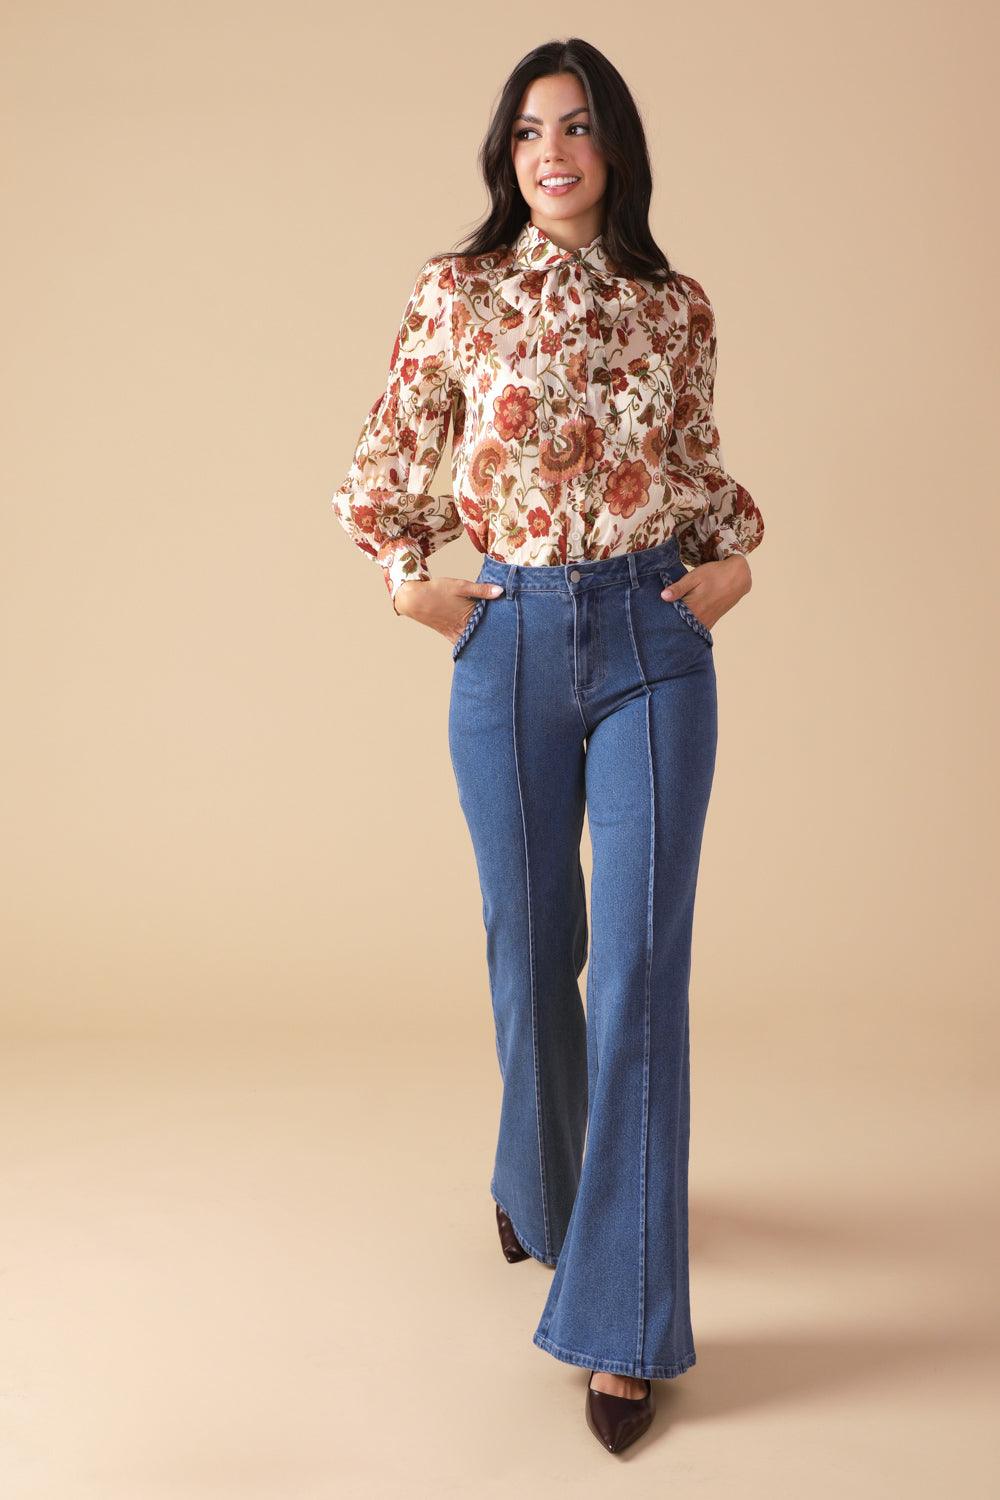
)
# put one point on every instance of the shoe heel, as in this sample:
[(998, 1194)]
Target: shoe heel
[(510, 1244)]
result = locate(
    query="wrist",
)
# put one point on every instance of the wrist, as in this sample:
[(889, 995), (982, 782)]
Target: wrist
[(739, 567)]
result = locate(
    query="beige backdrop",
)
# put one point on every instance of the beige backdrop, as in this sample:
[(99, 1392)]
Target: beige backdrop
[(249, 1087)]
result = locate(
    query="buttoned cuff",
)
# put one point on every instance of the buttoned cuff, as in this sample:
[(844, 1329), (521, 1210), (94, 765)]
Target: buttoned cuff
[(700, 542), (402, 562)]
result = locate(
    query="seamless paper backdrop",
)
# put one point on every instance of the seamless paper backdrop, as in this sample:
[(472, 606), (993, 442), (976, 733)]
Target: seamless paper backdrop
[(227, 786)]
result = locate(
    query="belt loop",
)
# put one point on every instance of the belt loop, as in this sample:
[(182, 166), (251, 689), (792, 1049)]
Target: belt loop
[(633, 570), (511, 574)]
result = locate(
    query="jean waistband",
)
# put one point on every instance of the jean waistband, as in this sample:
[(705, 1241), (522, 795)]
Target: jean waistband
[(625, 569)]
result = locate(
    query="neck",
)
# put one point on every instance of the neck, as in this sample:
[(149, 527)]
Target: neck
[(571, 234)]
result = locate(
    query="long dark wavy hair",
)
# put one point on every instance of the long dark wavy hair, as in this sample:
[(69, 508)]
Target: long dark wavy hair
[(617, 132)]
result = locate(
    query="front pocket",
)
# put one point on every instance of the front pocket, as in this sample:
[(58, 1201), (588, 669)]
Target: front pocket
[(685, 611), (470, 625)]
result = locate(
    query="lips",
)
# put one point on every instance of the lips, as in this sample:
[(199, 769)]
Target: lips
[(560, 187)]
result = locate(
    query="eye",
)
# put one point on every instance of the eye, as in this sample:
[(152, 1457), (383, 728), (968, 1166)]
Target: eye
[(526, 130)]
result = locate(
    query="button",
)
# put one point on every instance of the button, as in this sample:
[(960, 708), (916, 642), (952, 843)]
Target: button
[(574, 577)]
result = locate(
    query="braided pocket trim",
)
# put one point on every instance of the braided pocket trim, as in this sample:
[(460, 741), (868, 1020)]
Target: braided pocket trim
[(687, 613), (692, 619), (470, 625)]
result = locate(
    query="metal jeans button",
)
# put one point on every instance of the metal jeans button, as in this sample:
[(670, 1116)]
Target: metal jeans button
[(574, 577)]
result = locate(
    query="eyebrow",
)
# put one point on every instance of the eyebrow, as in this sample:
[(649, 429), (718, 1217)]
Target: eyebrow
[(581, 109)]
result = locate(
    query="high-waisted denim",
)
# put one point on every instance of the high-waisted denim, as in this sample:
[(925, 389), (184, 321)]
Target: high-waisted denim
[(580, 688)]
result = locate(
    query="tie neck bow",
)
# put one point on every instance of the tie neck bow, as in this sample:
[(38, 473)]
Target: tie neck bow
[(534, 251)]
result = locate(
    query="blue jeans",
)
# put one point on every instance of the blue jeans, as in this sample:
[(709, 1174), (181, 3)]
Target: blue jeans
[(579, 687)]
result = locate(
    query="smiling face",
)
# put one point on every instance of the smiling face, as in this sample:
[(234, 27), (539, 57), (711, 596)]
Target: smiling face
[(550, 142)]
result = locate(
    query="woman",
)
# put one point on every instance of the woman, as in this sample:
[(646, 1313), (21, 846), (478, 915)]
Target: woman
[(575, 369)]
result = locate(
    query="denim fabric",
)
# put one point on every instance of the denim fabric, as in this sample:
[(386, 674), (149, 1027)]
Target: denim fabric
[(577, 689)]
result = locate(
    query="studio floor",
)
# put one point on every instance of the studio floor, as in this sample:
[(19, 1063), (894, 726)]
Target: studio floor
[(269, 1267)]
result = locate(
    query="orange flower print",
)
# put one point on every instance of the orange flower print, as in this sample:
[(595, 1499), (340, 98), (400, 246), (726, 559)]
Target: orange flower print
[(576, 371), (627, 488), (473, 518), (595, 442), (698, 443), (533, 283), (699, 326), (461, 318), (407, 440), (685, 408), (514, 412), (654, 445), (566, 454), (485, 462), (364, 516), (575, 400), (745, 508)]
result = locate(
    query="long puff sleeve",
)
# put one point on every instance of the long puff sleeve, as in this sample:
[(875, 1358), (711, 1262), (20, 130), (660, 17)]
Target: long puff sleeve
[(384, 504), (731, 522)]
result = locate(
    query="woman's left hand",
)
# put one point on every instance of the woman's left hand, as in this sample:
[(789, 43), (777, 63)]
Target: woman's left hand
[(712, 588)]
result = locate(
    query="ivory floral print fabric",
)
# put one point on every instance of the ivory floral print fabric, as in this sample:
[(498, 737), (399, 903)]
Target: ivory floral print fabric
[(579, 402)]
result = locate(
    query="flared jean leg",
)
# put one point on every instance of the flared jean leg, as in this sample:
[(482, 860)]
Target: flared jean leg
[(581, 690), (619, 1299), (516, 748)]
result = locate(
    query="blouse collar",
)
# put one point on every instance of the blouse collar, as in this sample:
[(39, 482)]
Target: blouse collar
[(533, 249)]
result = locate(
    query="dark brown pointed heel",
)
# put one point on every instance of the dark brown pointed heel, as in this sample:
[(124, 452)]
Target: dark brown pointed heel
[(617, 1421), (512, 1247)]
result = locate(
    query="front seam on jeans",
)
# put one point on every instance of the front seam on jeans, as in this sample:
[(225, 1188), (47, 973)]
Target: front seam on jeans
[(531, 941), (644, 1140), (649, 954)]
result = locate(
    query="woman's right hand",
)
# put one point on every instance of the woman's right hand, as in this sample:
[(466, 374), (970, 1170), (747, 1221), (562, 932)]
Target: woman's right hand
[(441, 603)]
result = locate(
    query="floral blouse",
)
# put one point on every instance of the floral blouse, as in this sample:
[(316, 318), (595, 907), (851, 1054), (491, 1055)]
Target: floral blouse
[(579, 402)]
